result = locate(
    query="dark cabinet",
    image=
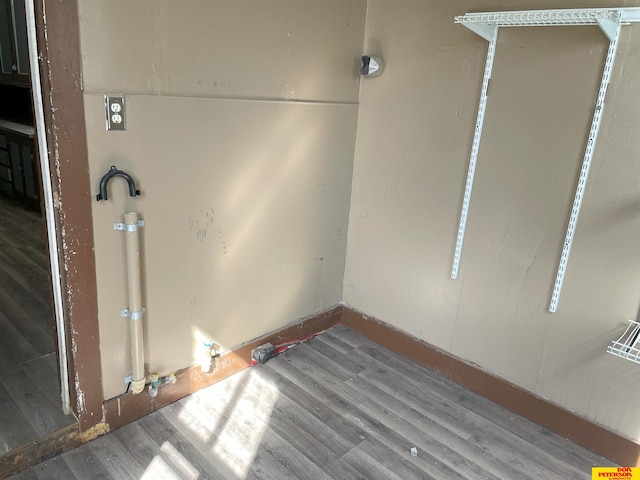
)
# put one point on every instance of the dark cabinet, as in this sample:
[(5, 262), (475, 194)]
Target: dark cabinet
[(14, 47), (19, 177), (6, 182), (22, 171)]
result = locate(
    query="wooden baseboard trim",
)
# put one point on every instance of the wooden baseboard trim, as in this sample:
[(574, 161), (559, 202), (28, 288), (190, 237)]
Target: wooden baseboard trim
[(579, 430), (42, 449), (127, 408)]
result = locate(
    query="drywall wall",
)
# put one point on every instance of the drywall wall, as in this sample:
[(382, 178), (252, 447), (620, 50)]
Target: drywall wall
[(241, 121), (413, 143), (278, 49)]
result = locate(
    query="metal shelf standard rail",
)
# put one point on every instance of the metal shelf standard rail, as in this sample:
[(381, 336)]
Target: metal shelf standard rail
[(487, 25)]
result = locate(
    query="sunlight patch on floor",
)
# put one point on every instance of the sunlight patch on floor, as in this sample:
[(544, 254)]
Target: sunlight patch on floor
[(179, 462), (4, 446), (159, 469), (204, 411), (242, 433), (170, 464)]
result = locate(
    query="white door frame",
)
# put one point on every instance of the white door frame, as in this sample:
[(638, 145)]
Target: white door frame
[(47, 196)]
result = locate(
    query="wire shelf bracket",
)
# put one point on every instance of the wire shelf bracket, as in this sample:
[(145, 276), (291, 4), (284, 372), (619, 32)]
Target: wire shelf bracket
[(628, 345), (487, 25)]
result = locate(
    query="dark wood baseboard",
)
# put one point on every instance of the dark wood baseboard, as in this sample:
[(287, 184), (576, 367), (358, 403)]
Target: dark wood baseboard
[(579, 430), (40, 450), (127, 408)]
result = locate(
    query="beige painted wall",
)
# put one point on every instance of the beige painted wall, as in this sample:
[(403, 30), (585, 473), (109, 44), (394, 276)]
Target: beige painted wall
[(277, 49), (415, 128), (241, 131), (241, 126)]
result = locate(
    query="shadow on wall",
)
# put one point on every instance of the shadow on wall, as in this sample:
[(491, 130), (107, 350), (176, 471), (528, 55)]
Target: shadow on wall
[(250, 194)]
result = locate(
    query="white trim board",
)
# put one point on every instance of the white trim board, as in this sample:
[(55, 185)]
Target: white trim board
[(49, 210), (487, 25)]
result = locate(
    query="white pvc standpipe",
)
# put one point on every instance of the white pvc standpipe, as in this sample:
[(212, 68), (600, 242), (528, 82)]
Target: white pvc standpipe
[(132, 246)]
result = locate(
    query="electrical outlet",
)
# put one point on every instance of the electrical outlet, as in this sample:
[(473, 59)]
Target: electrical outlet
[(115, 111)]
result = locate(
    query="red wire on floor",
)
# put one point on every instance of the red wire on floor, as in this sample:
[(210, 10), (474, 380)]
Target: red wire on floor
[(278, 349)]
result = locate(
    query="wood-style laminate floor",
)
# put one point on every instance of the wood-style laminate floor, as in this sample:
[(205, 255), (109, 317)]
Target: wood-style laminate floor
[(30, 405), (336, 407)]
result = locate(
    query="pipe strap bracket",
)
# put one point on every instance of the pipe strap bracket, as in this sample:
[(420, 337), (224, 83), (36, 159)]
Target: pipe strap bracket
[(126, 313), (128, 227)]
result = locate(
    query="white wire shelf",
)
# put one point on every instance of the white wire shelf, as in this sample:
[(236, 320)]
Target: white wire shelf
[(487, 25), (627, 346), (532, 18)]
